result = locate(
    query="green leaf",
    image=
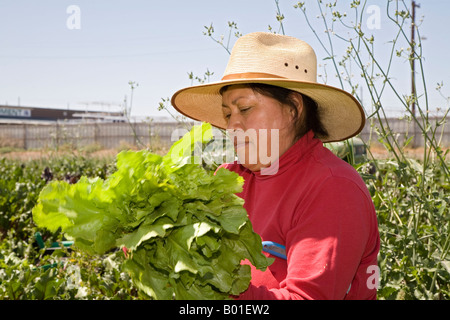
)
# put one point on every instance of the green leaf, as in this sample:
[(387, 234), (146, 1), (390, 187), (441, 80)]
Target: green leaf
[(184, 229), (187, 149), (145, 232)]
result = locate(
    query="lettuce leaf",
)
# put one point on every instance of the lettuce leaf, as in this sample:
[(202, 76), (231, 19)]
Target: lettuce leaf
[(185, 230)]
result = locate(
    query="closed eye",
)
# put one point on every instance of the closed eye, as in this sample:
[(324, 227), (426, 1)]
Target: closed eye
[(245, 109), (241, 110)]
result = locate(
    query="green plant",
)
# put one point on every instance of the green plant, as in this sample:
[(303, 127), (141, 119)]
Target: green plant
[(62, 276), (19, 190), (414, 229), (182, 228), (28, 273)]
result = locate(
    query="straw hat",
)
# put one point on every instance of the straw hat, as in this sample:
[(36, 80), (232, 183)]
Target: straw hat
[(279, 60)]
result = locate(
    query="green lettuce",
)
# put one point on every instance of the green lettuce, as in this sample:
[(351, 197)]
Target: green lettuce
[(183, 228)]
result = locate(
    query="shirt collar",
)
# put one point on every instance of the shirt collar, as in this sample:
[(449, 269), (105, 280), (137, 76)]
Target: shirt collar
[(294, 154)]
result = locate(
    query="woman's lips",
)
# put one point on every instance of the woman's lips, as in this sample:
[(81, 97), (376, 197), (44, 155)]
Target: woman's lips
[(240, 144), (242, 138)]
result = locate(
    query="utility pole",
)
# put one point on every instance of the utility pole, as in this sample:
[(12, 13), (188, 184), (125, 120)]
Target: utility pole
[(413, 71)]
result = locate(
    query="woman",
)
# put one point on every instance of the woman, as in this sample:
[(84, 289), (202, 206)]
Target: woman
[(297, 193)]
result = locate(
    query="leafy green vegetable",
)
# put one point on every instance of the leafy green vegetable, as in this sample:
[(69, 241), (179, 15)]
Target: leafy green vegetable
[(183, 228)]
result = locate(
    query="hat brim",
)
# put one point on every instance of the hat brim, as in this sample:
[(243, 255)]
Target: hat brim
[(340, 113)]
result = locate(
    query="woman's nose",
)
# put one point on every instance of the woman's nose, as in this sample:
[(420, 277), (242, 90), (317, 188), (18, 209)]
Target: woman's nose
[(235, 122)]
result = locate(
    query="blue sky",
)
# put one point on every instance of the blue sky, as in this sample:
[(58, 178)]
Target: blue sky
[(43, 63)]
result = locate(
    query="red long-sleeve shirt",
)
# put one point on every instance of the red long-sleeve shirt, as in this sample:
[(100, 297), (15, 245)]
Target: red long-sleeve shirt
[(319, 208)]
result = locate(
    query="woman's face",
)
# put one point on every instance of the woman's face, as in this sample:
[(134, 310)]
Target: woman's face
[(260, 127)]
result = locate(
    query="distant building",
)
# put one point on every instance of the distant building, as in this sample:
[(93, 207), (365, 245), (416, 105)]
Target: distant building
[(11, 114)]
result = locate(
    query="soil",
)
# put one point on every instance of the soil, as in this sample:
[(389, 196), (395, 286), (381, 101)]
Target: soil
[(44, 154), (378, 152)]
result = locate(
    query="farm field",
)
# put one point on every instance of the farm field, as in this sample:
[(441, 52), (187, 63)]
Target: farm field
[(414, 228)]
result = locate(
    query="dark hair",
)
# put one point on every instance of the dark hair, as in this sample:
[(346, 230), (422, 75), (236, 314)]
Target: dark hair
[(308, 120)]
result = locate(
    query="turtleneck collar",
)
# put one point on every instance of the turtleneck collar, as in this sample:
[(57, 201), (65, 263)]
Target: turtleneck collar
[(294, 154)]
